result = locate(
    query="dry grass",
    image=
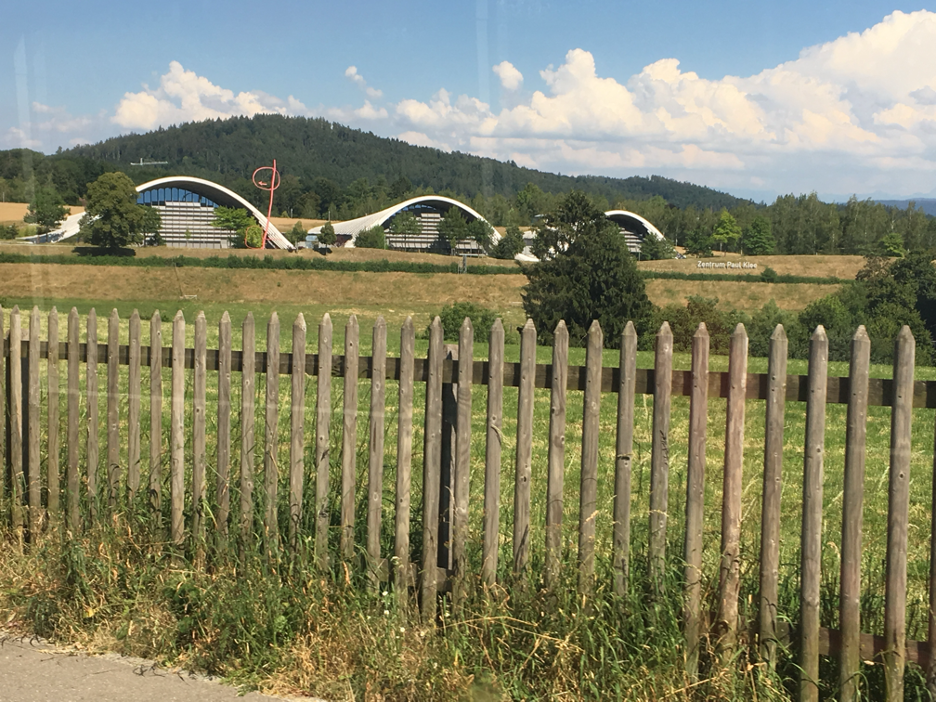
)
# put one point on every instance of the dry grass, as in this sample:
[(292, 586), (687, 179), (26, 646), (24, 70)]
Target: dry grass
[(738, 295), (13, 212), (844, 267)]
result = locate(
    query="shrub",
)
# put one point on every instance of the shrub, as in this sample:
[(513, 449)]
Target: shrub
[(452, 316), (373, 238), (769, 275)]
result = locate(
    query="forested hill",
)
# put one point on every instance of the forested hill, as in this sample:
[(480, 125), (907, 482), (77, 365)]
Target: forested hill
[(336, 162)]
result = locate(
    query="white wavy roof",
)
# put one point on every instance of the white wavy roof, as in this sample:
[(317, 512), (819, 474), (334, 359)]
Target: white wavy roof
[(217, 193), (352, 227), (634, 219)]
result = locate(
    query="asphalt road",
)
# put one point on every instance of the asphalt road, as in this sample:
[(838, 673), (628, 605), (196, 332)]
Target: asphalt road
[(32, 670)]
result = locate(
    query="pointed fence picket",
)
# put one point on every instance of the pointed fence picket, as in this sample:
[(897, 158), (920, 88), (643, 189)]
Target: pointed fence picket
[(194, 484)]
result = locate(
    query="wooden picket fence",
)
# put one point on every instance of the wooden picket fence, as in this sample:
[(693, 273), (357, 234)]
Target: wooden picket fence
[(448, 378)]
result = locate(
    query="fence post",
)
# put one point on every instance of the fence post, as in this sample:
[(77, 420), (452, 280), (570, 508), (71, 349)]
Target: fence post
[(811, 547), (375, 459), (492, 457), (248, 426), (730, 569), (4, 413), (524, 463), (447, 462), (177, 432), (322, 456), (461, 480), (16, 448), (72, 478), (199, 438), (659, 461), (271, 438), (898, 503), (401, 543), (113, 410), (770, 509), (34, 417), (296, 431), (559, 378), (223, 489), (133, 410), (588, 492), (695, 498), (623, 461), (91, 391), (432, 456), (852, 510), (53, 437), (349, 437), (155, 359)]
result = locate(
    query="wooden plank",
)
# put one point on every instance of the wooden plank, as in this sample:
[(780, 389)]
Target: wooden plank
[(730, 568), (248, 429), (133, 410), (199, 436), (659, 460), (17, 477), (401, 544), (588, 492), (623, 459), (4, 411), (432, 453), (461, 481), (92, 452), (297, 430), (72, 431), (555, 481), (271, 438), (524, 456), (811, 544), (53, 412), (852, 513), (349, 437), (177, 432), (898, 496), (322, 457), (695, 500), (156, 398), (223, 486), (494, 441), (34, 428), (375, 459), (113, 410), (447, 462), (771, 493)]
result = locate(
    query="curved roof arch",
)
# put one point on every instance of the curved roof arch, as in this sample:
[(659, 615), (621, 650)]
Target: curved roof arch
[(221, 195), (632, 221), (352, 227)]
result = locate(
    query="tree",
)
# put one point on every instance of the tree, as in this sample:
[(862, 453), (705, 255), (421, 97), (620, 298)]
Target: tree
[(698, 242), (758, 239), (296, 234), (509, 245), (253, 237), (726, 231), (453, 228), (327, 236), (46, 209), (113, 218), (406, 224), (481, 232), (373, 238), (233, 219), (590, 276), (656, 249), (152, 223)]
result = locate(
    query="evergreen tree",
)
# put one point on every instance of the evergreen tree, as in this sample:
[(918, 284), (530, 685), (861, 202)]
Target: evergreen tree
[(509, 245), (453, 228), (373, 238), (758, 239), (327, 236), (656, 249)]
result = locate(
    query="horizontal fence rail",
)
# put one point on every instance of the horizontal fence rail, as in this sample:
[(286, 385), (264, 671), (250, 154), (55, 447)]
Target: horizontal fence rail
[(324, 489)]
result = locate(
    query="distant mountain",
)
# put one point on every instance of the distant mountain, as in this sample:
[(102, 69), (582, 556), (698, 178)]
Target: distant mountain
[(928, 205)]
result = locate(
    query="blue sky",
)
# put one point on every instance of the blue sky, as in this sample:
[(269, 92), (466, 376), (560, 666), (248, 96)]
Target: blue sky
[(757, 99)]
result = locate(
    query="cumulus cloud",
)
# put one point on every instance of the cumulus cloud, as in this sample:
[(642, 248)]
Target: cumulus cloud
[(352, 74), (510, 77)]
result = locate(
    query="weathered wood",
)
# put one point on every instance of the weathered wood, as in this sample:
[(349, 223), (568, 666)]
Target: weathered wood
[(556, 459), (494, 441), (17, 476), (730, 569), (659, 460), (588, 492), (624, 447), (4, 410), (297, 430), (524, 456), (898, 503), (72, 431), (199, 436), (375, 458), (223, 487), (133, 409), (461, 481), (432, 453), (33, 429), (811, 539), (322, 421), (852, 513), (930, 660), (156, 398), (349, 437), (771, 493), (92, 451), (113, 410), (401, 544), (271, 437), (53, 412), (695, 499), (447, 461), (177, 432), (248, 428)]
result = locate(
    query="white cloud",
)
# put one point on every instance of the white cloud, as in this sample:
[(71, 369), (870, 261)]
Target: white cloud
[(352, 73), (510, 77)]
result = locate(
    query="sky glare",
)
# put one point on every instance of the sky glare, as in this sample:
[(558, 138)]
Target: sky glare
[(756, 99)]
